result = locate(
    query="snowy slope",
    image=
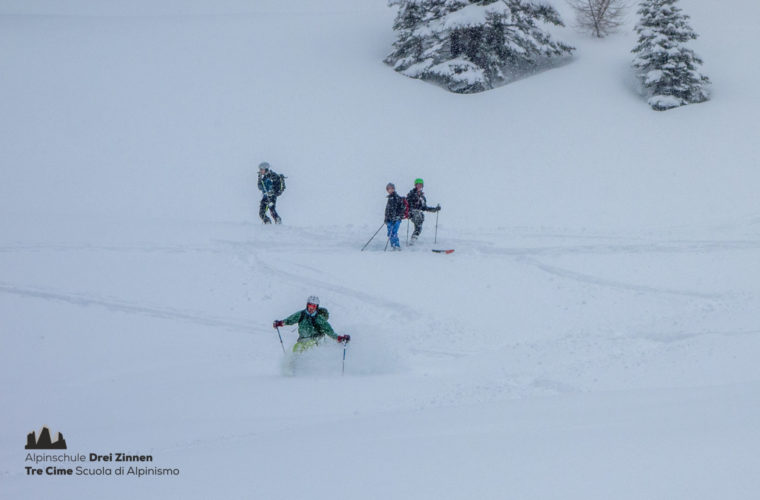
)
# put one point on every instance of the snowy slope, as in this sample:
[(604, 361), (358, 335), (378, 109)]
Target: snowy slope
[(595, 334)]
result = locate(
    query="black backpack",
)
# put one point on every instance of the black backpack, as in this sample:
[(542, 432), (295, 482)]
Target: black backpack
[(278, 183)]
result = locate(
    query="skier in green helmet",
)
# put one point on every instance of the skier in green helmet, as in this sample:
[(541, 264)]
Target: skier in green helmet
[(417, 207), (312, 326)]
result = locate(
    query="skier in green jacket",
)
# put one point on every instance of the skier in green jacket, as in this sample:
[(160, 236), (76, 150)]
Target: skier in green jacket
[(312, 326)]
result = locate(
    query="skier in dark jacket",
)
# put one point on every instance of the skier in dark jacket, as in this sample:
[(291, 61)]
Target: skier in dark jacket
[(417, 207), (395, 210), (312, 326), (267, 183)]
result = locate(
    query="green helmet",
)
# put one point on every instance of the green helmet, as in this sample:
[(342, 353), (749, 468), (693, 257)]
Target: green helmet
[(418, 181)]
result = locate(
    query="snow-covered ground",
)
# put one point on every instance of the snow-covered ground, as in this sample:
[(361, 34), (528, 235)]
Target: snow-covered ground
[(594, 336)]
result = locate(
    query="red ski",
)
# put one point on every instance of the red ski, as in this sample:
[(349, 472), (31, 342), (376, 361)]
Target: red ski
[(444, 251)]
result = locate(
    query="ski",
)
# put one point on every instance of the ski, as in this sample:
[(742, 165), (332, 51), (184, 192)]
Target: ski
[(444, 251)]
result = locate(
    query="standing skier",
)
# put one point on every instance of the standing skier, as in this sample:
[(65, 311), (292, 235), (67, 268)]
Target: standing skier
[(418, 205), (271, 186), (395, 210), (312, 326)]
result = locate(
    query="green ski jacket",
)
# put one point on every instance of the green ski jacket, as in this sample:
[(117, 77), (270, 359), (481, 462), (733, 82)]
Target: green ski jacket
[(311, 326)]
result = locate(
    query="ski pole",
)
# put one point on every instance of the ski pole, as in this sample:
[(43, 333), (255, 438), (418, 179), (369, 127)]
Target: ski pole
[(343, 370), (407, 232), (436, 228), (373, 236), (278, 334), (386, 244)]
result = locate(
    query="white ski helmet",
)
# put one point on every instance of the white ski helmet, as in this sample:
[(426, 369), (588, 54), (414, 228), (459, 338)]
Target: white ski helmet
[(264, 165), (313, 299)]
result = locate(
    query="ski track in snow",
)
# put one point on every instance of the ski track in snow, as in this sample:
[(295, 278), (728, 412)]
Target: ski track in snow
[(594, 280), (405, 310), (312, 240), (671, 338), (122, 306), (664, 247), (279, 258), (147, 248), (251, 253)]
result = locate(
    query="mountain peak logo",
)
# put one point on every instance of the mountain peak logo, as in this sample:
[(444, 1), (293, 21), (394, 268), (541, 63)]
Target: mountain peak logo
[(43, 442)]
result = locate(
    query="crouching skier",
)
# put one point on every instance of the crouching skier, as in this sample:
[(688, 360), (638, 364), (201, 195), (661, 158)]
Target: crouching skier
[(312, 326)]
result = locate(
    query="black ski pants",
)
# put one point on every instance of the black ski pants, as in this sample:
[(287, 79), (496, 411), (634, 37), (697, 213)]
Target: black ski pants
[(268, 202), (417, 217)]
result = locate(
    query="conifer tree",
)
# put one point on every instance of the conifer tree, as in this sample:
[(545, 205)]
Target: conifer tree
[(472, 45), (668, 69)]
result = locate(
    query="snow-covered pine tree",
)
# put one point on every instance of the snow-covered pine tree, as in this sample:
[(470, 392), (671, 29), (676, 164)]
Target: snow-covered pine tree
[(407, 49), (467, 45), (667, 68)]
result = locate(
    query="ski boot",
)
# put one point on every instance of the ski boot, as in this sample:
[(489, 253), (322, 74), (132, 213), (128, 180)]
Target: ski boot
[(266, 220), (277, 220)]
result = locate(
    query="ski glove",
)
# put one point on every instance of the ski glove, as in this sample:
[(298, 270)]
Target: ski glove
[(278, 323), (344, 338), (438, 208)]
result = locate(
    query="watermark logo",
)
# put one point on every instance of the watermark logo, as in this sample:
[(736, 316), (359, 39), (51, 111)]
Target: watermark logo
[(77, 463), (44, 442)]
